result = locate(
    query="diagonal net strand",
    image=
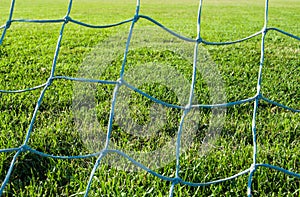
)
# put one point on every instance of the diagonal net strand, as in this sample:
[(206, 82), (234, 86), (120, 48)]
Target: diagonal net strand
[(121, 82)]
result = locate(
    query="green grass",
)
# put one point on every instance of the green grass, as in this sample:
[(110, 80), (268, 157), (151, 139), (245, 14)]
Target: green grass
[(25, 61)]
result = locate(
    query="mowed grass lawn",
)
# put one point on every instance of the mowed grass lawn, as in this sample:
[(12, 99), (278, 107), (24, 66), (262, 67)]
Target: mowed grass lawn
[(26, 57)]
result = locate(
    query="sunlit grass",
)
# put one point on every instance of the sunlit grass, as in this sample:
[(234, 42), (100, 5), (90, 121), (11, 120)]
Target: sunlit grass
[(26, 57)]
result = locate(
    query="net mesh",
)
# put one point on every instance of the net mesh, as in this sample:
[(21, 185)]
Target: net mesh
[(122, 82)]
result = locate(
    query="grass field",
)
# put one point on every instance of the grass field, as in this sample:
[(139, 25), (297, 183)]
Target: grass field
[(26, 56)]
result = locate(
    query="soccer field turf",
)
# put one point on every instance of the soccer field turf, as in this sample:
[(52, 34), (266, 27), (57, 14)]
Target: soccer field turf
[(26, 59)]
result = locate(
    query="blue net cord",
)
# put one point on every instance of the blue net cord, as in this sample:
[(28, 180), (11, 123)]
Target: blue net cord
[(100, 155)]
